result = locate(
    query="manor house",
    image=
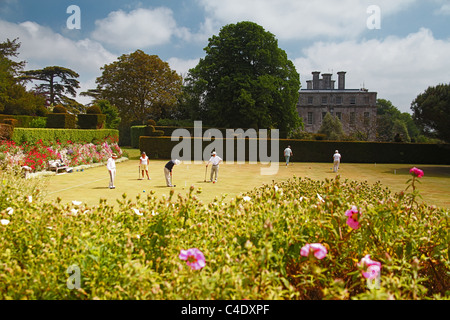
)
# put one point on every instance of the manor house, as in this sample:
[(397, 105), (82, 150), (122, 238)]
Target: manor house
[(356, 108)]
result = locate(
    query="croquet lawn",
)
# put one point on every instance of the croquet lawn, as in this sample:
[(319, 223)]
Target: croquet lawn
[(91, 185)]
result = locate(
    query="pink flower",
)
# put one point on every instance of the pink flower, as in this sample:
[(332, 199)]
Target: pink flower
[(416, 172), (194, 258), (373, 267), (353, 215), (319, 250)]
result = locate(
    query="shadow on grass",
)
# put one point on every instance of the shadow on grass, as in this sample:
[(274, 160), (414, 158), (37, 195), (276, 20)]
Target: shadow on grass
[(440, 172)]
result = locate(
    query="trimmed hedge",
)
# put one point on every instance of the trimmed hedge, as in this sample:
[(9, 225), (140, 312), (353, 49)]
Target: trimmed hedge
[(31, 135), (61, 120), (22, 121), (91, 121), (315, 151)]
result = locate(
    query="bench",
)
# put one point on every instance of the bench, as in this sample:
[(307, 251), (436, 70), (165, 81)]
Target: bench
[(56, 166)]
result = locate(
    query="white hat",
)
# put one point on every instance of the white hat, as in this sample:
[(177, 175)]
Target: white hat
[(214, 153), (177, 162), (336, 151)]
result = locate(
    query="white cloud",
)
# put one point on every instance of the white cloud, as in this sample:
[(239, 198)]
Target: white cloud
[(140, 28), (182, 66), (41, 47), (398, 69), (445, 9), (301, 19)]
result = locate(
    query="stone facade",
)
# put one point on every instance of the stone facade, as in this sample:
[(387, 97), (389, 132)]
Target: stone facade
[(356, 108)]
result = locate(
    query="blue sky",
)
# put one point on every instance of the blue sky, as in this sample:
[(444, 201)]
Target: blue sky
[(408, 52)]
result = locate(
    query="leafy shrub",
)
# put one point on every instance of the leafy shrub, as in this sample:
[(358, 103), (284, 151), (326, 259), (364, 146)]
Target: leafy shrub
[(59, 109), (94, 110), (39, 122)]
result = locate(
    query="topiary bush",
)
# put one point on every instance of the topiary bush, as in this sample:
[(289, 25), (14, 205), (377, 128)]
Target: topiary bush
[(59, 109), (94, 109)]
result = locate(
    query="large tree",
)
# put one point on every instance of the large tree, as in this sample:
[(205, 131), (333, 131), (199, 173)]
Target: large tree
[(331, 127), (245, 80), (431, 112), (139, 85), (57, 83), (14, 97)]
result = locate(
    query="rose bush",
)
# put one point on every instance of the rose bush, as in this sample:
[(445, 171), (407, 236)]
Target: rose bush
[(252, 244)]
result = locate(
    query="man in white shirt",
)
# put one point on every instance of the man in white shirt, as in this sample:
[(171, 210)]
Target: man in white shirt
[(287, 154), (215, 160), (336, 160), (111, 166), (143, 165)]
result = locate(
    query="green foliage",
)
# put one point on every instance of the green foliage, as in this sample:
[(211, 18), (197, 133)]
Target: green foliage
[(95, 109), (57, 82), (22, 135), (59, 109), (431, 112), (38, 122), (251, 244), (91, 121), (111, 112), (139, 86), (245, 80), (331, 128), (61, 120)]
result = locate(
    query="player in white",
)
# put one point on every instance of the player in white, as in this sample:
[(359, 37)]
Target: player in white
[(287, 154), (215, 160), (143, 165), (336, 160)]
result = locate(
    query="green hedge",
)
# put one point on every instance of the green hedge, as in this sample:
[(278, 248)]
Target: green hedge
[(317, 151), (91, 121), (22, 121), (31, 135), (61, 120)]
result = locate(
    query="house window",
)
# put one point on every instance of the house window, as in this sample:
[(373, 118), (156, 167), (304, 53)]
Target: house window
[(310, 118), (353, 100), (338, 100), (310, 100), (324, 100), (366, 118), (352, 117)]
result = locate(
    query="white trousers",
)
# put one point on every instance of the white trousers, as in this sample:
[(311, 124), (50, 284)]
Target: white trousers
[(336, 165), (112, 177), (167, 175), (214, 172)]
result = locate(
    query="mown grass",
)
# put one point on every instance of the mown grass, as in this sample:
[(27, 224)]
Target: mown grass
[(91, 185)]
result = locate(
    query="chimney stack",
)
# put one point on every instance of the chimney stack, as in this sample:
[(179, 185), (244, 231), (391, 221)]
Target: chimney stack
[(327, 81), (341, 80), (316, 80)]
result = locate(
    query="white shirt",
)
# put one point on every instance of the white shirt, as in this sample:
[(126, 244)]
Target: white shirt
[(215, 160), (111, 164), (337, 157), (144, 160), (287, 152)]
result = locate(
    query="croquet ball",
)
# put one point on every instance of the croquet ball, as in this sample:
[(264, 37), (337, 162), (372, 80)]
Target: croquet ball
[(82, 169), (143, 190), (214, 182), (77, 170)]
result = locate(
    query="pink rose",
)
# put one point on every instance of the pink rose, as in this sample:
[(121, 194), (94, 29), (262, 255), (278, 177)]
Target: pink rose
[(353, 216), (319, 250), (416, 172), (194, 258), (373, 267)]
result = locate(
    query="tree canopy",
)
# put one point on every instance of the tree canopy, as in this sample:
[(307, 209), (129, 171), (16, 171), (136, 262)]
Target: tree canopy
[(14, 98), (139, 85), (53, 89), (431, 112), (245, 80), (331, 127)]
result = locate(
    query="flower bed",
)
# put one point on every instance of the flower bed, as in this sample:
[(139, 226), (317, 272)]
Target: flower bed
[(36, 156), (300, 239)]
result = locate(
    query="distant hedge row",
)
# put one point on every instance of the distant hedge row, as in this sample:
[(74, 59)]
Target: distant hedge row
[(304, 151), (31, 135), (22, 121)]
